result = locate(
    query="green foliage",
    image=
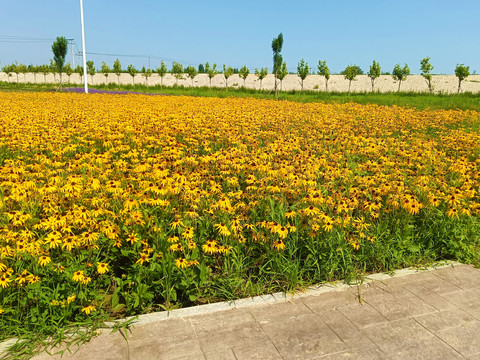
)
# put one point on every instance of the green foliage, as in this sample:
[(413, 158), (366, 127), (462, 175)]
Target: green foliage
[(400, 74), (374, 72), (282, 73), (261, 74), (59, 49), (146, 73), (277, 44), (303, 70), (162, 71), (105, 69), (68, 70), (201, 69), (132, 71), (461, 72), (177, 71), (79, 71), (243, 73), (117, 69), (211, 71), (359, 70), (350, 73), (90, 68), (426, 68), (227, 72), (323, 70), (191, 72)]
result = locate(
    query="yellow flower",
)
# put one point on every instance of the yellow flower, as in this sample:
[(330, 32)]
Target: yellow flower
[(89, 309), (78, 276), (222, 229), (44, 260), (102, 268), (143, 258), (1, 311), (181, 263), (5, 281), (22, 278), (279, 245), (210, 247)]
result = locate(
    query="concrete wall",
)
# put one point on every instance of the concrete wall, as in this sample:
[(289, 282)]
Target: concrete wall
[(441, 83)]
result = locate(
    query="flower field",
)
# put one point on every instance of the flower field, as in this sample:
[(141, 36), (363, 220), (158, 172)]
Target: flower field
[(126, 204)]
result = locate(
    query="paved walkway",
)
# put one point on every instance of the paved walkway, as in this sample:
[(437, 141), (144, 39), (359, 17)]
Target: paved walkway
[(431, 314)]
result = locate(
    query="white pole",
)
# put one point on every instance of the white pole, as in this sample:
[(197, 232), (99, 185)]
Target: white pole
[(83, 48)]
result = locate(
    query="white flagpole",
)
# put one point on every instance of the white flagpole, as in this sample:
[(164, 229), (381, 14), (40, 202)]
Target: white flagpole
[(83, 49)]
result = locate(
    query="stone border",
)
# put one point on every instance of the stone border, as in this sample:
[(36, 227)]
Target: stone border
[(278, 297), (315, 290)]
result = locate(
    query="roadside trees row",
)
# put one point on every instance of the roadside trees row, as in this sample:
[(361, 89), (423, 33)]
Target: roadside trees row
[(350, 73)]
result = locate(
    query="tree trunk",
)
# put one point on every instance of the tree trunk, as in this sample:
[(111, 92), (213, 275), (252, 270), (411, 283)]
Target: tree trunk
[(118, 80), (459, 84), (373, 84), (326, 85), (261, 84), (399, 83), (349, 84), (275, 84)]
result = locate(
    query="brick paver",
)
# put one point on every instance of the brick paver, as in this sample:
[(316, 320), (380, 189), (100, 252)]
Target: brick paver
[(433, 314)]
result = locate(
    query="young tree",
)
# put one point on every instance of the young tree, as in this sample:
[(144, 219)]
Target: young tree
[(68, 70), (227, 72), (211, 71), (277, 44), (132, 71), (282, 73), (177, 71), (8, 69), (374, 72), (53, 69), (243, 73), (201, 69), (400, 74), (261, 74), (59, 49), (350, 73), (461, 72), (79, 71), (191, 72), (45, 70), (35, 70), (22, 69), (162, 71), (146, 73), (105, 71), (323, 70), (90, 69), (303, 70), (117, 69), (425, 68)]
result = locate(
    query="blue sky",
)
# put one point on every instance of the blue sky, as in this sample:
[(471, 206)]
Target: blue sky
[(240, 32)]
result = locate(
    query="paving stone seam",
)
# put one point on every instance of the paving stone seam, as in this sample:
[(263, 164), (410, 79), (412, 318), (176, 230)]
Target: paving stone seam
[(315, 290), (434, 334)]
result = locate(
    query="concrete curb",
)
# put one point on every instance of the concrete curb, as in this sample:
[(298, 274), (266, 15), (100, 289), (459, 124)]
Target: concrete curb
[(276, 297), (258, 300)]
